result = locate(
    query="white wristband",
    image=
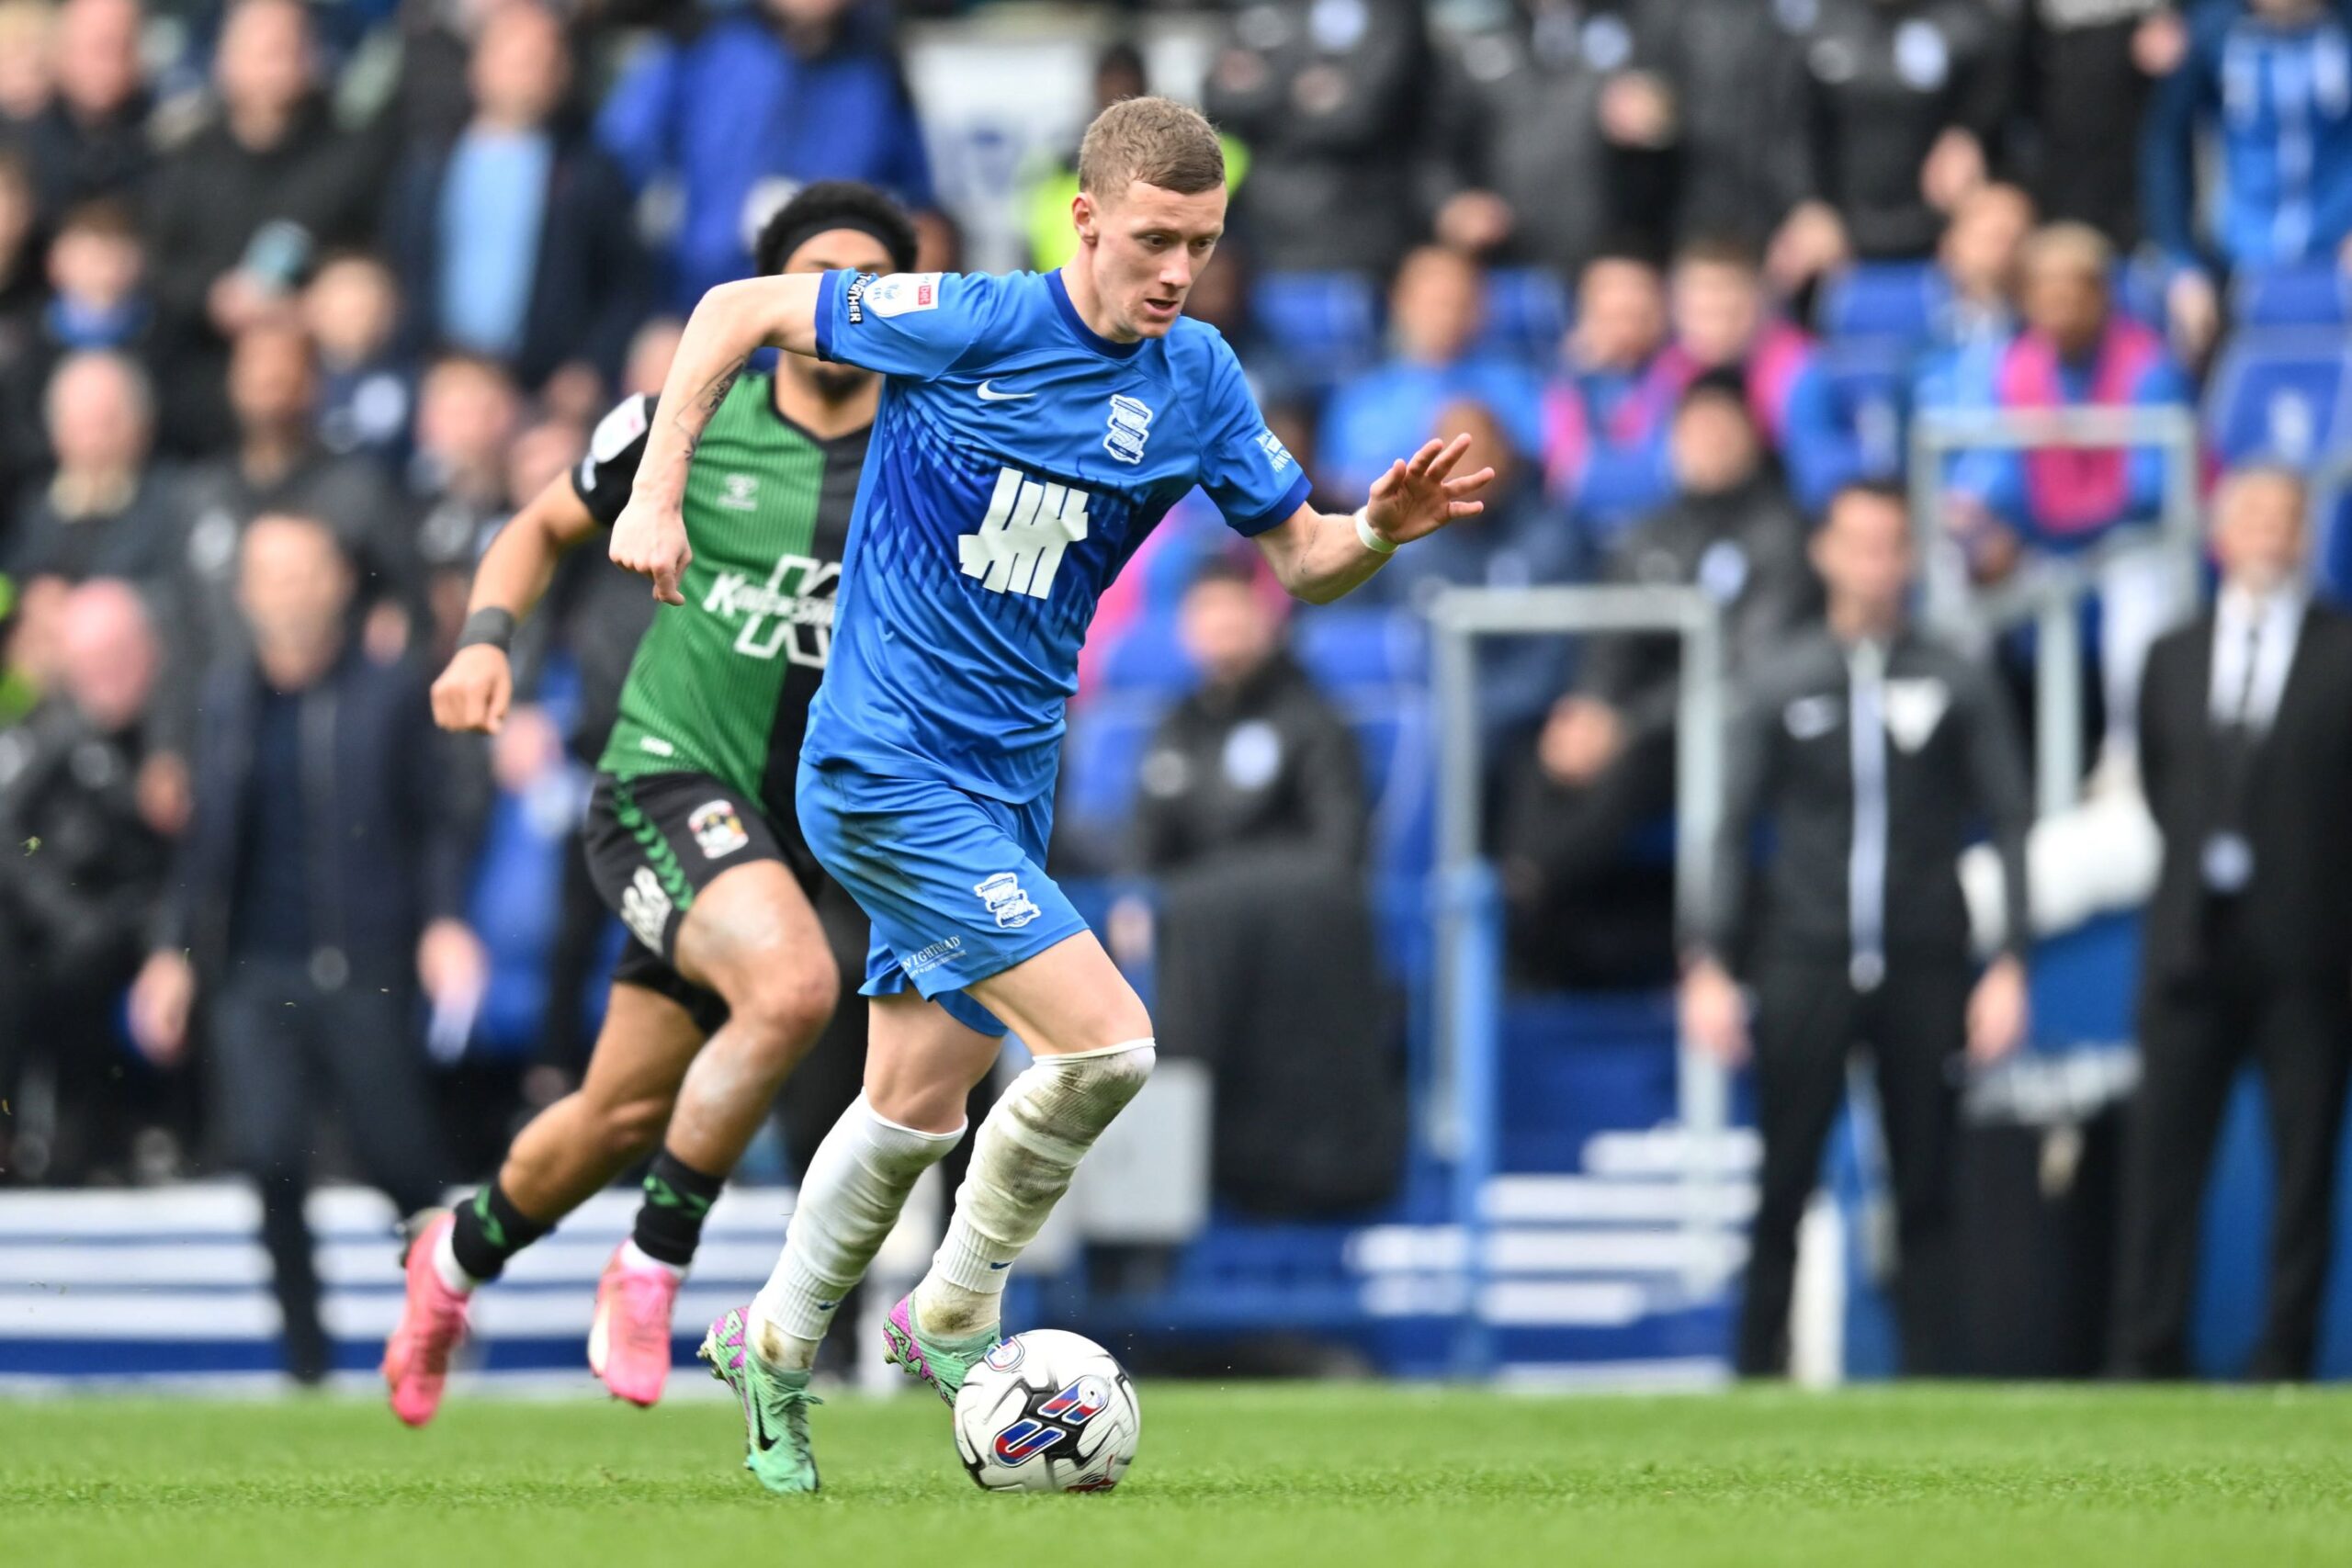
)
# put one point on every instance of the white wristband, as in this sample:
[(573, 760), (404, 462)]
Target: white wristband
[(1370, 540)]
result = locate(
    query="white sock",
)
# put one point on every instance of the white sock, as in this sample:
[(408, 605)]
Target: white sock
[(454, 1280), (857, 1182), (635, 1256), (1028, 1150)]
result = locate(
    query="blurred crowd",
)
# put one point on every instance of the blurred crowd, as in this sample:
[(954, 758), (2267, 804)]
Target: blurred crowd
[(298, 300)]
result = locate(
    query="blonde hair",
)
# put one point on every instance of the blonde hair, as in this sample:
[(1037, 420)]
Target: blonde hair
[(1156, 140)]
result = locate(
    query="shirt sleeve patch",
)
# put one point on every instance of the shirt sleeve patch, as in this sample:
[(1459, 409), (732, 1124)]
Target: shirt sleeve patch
[(900, 294), (616, 430)]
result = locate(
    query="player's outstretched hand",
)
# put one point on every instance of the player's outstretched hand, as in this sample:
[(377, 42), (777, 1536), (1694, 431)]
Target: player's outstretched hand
[(651, 541), (473, 693), (1420, 496)]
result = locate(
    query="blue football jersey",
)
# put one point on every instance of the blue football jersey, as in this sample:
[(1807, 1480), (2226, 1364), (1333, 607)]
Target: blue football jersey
[(1018, 459)]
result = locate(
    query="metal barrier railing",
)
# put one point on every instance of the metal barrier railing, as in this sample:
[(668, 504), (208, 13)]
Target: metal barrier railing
[(2049, 597), (1465, 1109)]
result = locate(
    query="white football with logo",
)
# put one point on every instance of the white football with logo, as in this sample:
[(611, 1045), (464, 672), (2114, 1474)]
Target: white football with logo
[(1047, 1411)]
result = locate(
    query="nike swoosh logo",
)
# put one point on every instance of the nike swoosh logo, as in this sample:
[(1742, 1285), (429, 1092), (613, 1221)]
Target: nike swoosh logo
[(989, 395), (827, 1306), (1006, 1264)]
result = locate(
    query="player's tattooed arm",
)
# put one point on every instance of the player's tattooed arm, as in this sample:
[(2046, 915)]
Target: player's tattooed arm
[(695, 417)]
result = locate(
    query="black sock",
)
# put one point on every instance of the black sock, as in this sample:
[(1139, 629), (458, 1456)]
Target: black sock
[(677, 1197), (490, 1230)]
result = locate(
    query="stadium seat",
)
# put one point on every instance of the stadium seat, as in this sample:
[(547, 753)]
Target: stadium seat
[(1326, 325), (1147, 657), (2310, 296), (1527, 314), (1102, 759), (1344, 647), (2276, 394), (1870, 380), (1895, 301)]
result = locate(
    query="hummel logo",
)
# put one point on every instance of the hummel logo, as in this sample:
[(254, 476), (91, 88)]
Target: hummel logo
[(990, 395)]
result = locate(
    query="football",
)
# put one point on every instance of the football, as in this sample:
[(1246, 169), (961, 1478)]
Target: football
[(1047, 1411)]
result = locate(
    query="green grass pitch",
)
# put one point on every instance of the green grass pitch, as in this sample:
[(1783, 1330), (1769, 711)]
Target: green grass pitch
[(1356, 1475)]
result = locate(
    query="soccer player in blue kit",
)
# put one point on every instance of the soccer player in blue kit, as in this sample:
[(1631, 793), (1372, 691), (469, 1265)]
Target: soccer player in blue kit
[(1032, 430)]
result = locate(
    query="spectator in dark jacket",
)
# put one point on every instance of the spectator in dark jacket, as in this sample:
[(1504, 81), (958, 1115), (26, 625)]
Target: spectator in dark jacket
[(279, 465), (366, 384), (1602, 766), (517, 241), (1735, 70), (237, 212), (1327, 98), (2089, 69), (77, 888), (1903, 101), (321, 882), (1252, 815), (1542, 115), (104, 512), (764, 99), (92, 139)]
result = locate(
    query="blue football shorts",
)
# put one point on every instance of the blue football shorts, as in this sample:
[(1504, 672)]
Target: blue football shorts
[(954, 882)]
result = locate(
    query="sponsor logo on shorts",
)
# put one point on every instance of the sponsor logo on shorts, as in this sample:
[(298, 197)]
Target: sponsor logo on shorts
[(1012, 906), (645, 907), (718, 829), (932, 957)]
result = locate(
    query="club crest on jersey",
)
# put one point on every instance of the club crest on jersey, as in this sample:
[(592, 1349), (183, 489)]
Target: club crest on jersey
[(1130, 427), (1007, 901), (739, 492), (718, 829)]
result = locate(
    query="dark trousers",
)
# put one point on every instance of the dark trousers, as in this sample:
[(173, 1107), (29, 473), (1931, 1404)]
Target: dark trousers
[(2197, 1030), (275, 1038), (1809, 1019)]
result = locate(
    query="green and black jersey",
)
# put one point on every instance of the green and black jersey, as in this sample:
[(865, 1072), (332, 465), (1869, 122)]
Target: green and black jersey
[(721, 683)]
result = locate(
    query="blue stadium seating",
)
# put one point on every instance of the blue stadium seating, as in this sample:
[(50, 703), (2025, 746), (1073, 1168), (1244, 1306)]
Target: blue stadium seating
[(1343, 645), (2277, 394), (1870, 380), (1146, 656), (1326, 325), (1896, 300), (2311, 296), (1528, 312)]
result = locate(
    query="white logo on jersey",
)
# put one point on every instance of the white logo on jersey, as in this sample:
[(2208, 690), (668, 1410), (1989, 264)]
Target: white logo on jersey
[(1130, 424), (802, 610), (1278, 455), (645, 909), (739, 492), (1019, 546), (988, 394), (1012, 907)]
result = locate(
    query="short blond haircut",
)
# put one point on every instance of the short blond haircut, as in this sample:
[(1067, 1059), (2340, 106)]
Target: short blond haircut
[(2076, 247), (1156, 140)]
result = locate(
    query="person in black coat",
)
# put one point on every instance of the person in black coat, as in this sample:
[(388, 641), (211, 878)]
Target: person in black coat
[(518, 241), (239, 211), (321, 883), (86, 842), (1251, 817), (1873, 752), (2245, 753)]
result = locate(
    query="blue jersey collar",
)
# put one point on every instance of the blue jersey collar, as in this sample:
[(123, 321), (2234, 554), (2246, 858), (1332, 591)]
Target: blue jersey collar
[(1077, 323)]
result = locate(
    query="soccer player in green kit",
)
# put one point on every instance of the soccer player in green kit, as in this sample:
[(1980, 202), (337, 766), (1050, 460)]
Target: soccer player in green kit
[(727, 978)]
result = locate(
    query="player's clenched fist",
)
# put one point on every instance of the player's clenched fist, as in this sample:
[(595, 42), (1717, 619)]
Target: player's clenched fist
[(651, 541), (474, 692)]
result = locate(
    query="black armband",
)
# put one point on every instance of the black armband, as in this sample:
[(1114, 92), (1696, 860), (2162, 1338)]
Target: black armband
[(487, 624)]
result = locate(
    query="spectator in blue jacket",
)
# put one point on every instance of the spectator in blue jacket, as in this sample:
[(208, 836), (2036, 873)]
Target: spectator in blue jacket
[(1435, 309), (2272, 79), (760, 101), (1606, 411)]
